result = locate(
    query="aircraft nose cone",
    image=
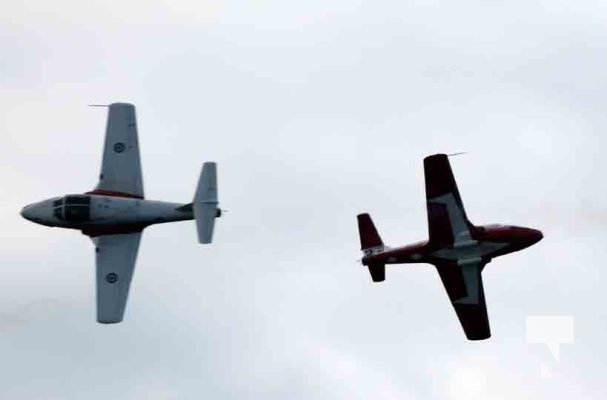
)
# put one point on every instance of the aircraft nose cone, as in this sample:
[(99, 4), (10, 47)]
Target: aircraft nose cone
[(33, 212), (536, 235), (26, 213)]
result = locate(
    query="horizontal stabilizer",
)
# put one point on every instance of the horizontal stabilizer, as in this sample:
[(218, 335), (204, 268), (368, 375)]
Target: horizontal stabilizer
[(369, 238), (205, 203), (378, 272)]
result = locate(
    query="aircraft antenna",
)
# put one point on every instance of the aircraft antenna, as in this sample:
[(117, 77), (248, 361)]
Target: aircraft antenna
[(456, 154)]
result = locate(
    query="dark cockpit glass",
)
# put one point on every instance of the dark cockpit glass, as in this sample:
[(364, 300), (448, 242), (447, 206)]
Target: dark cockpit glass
[(78, 199), (74, 208), (58, 208)]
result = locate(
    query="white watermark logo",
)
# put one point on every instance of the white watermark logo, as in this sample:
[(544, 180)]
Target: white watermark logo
[(551, 331)]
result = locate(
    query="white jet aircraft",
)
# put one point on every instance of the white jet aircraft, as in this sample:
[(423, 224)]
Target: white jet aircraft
[(115, 213)]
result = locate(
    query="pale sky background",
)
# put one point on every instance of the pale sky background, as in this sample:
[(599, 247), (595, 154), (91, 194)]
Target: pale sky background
[(314, 112)]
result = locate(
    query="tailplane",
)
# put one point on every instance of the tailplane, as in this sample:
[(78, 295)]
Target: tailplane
[(370, 241), (378, 272), (371, 244), (205, 203)]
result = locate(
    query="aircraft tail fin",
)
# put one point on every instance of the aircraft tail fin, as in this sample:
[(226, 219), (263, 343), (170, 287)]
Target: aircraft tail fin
[(205, 203)]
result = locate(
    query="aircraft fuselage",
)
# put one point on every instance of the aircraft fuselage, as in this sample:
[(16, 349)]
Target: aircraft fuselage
[(96, 214), (486, 243)]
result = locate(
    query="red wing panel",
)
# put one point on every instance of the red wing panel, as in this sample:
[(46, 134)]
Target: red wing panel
[(439, 226), (464, 286), (447, 218), (439, 177)]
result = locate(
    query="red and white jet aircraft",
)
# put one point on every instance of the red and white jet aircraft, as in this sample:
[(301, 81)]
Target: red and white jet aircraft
[(115, 213), (458, 249)]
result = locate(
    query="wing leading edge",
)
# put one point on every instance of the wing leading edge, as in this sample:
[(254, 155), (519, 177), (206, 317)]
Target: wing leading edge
[(115, 259), (464, 285), (121, 164)]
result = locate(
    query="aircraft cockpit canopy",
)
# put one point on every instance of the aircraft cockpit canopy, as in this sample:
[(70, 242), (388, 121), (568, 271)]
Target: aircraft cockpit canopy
[(73, 208)]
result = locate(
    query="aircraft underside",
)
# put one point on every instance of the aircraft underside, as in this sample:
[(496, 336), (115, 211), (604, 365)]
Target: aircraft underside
[(115, 213), (458, 249)]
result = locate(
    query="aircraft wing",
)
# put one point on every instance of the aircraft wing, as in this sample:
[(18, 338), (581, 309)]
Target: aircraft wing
[(447, 220), (115, 258), (464, 285), (121, 165)]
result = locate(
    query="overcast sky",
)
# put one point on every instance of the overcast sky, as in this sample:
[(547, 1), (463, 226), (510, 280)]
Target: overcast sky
[(315, 112)]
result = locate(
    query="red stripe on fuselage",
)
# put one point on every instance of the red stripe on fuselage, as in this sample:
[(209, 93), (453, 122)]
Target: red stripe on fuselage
[(111, 193)]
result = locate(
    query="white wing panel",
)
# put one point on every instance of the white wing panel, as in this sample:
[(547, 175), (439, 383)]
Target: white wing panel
[(115, 256), (121, 164)]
